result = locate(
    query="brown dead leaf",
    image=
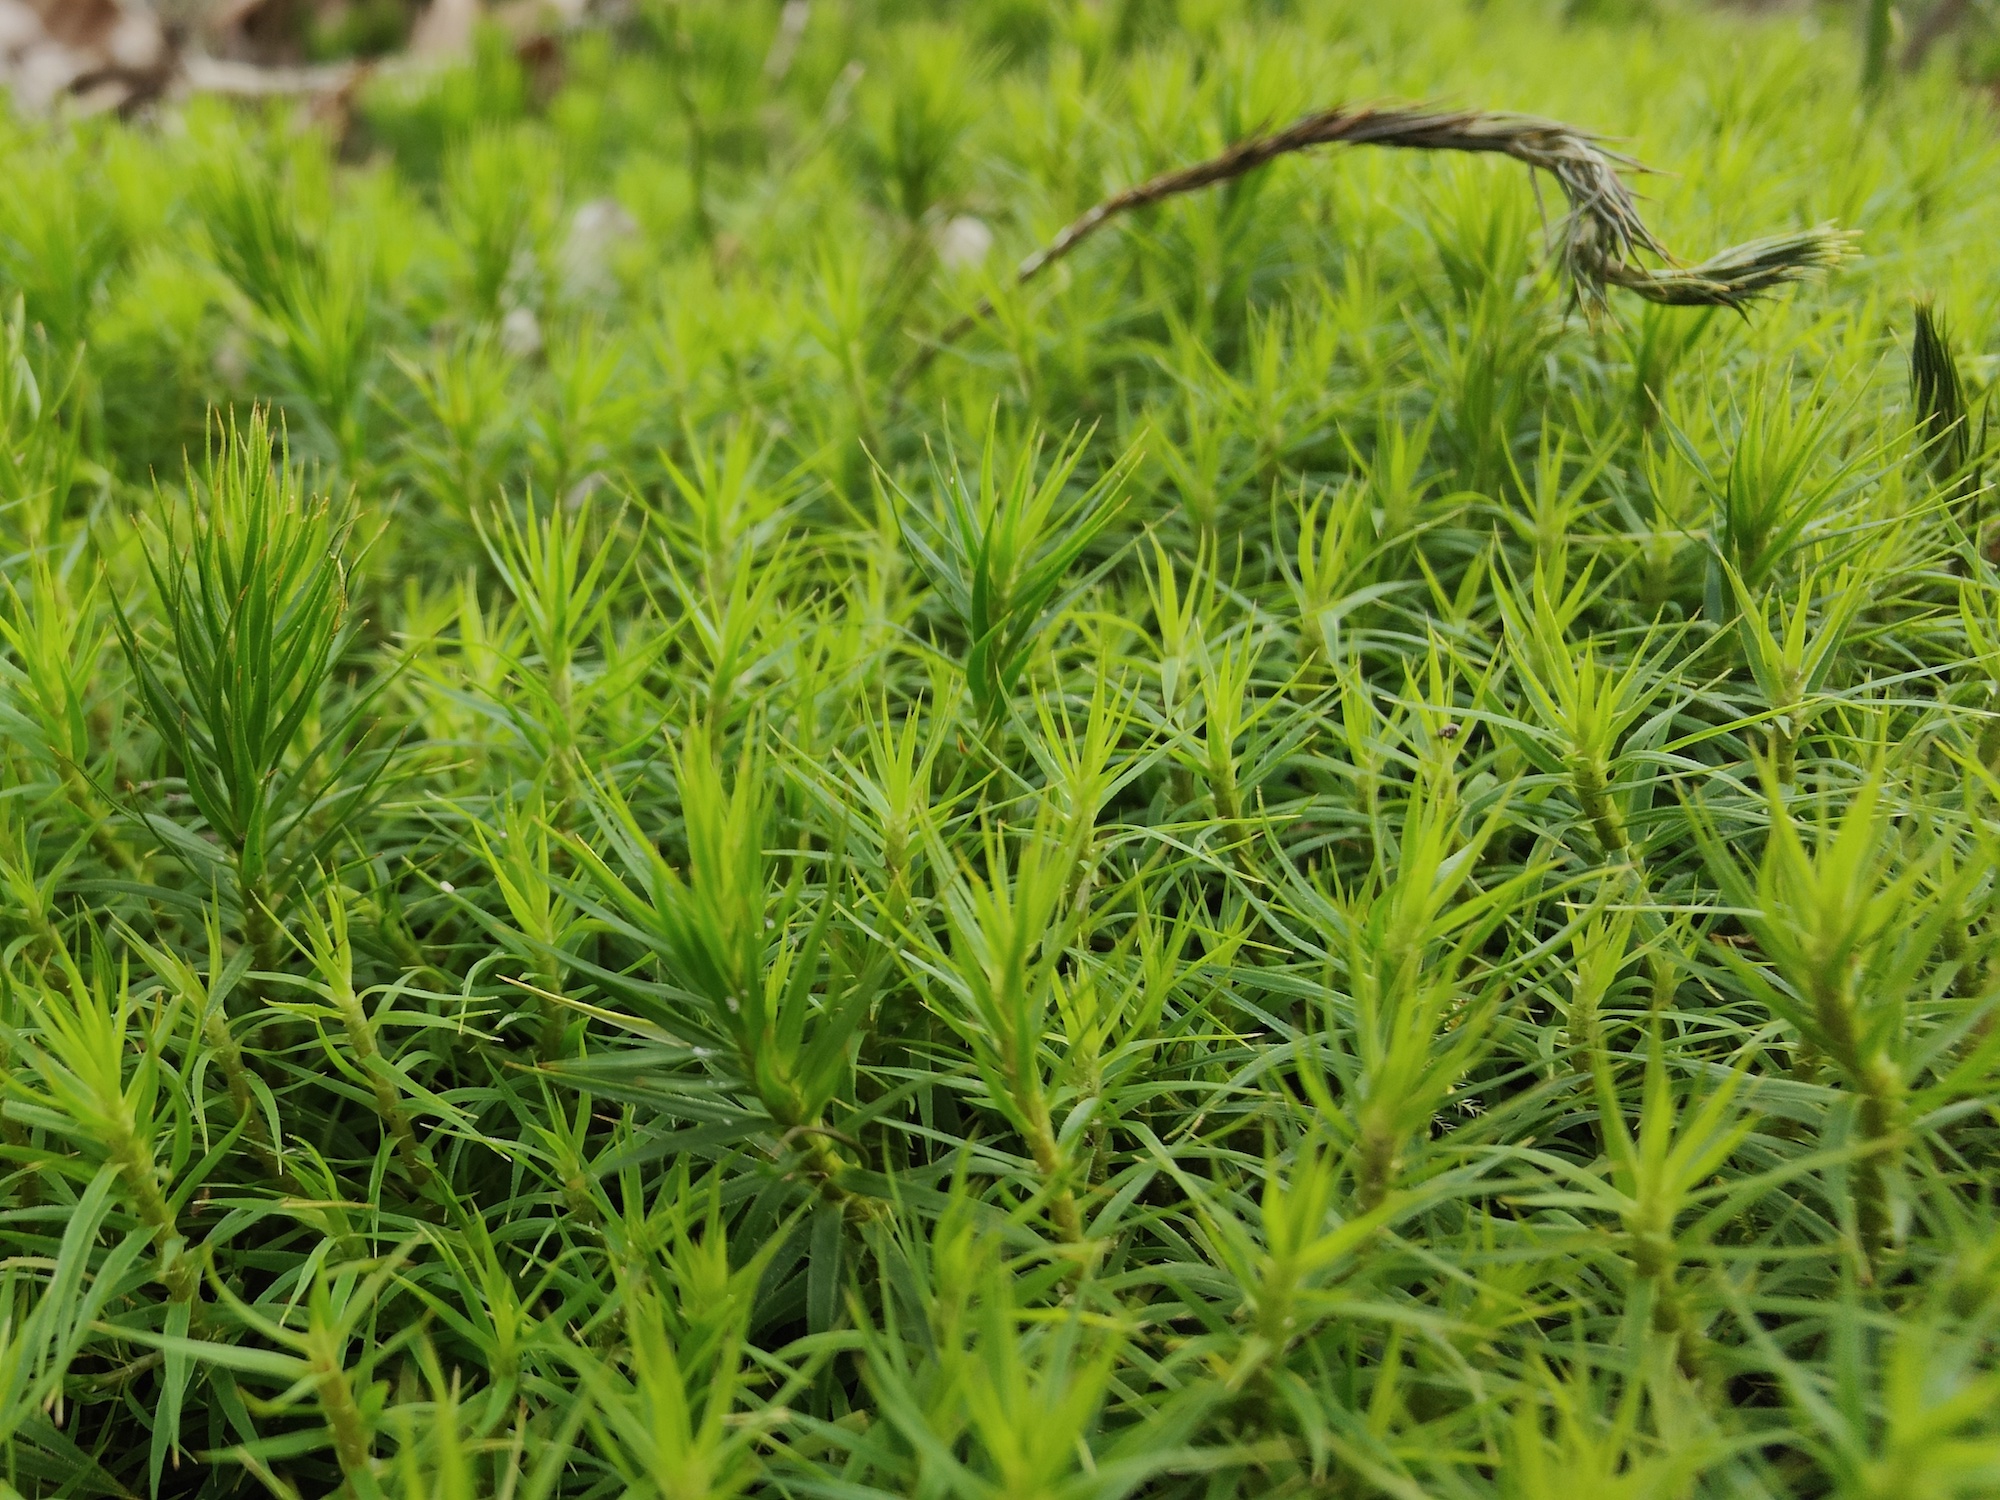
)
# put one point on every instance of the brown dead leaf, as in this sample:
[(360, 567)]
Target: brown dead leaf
[(445, 28)]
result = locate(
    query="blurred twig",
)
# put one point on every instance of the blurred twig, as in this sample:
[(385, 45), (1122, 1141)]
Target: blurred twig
[(1936, 23)]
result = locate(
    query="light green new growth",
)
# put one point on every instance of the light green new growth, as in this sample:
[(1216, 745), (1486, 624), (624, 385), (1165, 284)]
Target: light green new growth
[(691, 807)]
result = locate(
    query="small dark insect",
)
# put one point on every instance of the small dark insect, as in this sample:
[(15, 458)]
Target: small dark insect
[(1449, 732)]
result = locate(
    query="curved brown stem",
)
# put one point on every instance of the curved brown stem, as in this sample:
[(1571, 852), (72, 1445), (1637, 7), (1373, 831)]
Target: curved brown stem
[(1597, 241)]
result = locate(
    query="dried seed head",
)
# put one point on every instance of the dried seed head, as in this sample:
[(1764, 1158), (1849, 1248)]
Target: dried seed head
[(1598, 241)]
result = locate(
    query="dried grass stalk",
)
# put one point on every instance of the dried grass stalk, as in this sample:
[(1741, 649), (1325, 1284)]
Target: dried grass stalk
[(1599, 240)]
